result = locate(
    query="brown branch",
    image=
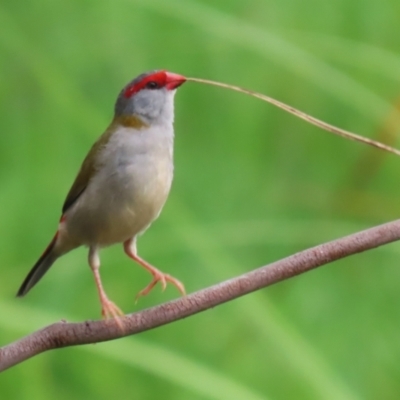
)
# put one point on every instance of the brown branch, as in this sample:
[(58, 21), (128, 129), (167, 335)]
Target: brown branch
[(63, 334)]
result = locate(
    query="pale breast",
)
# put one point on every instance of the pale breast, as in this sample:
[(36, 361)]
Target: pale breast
[(134, 177)]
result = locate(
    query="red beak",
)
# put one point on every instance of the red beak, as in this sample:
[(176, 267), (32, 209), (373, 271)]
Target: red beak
[(174, 80)]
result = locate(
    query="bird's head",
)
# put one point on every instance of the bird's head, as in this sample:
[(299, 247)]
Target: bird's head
[(150, 97)]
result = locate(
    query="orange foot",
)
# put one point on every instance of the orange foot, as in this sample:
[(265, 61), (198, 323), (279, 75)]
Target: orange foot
[(159, 276), (111, 310)]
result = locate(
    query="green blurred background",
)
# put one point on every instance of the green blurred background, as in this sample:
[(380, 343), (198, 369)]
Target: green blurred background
[(252, 185)]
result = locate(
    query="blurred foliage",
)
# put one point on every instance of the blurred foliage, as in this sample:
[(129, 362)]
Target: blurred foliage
[(252, 185)]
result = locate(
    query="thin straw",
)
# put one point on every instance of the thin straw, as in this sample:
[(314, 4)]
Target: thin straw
[(302, 115)]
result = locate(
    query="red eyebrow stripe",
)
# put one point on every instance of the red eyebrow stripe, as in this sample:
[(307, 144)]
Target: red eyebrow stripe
[(159, 77)]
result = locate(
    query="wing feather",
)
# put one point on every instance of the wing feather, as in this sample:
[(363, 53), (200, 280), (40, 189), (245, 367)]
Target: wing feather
[(87, 170), (89, 166)]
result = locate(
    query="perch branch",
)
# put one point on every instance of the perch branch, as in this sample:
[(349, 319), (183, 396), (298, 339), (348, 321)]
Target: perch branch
[(63, 334)]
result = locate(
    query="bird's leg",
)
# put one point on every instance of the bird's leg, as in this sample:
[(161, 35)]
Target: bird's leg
[(158, 276), (108, 308)]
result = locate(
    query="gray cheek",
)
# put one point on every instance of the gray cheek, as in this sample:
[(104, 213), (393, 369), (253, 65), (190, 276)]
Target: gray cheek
[(149, 103)]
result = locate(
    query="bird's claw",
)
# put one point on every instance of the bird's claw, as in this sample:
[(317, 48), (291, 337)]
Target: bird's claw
[(111, 310), (158, 276)]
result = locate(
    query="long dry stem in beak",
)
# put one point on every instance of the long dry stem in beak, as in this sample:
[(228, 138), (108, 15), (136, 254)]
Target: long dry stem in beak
[(302, 115)]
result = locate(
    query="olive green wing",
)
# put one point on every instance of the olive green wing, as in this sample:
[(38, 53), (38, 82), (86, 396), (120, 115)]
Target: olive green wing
[(86, 172)]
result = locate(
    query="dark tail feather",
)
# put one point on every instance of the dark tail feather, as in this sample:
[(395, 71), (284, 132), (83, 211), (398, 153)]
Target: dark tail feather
[(39, 269)]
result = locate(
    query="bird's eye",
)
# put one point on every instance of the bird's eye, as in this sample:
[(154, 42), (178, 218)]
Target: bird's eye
[(152, 85)]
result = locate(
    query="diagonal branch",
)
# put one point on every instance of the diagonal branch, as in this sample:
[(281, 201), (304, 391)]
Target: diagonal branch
[(63, 334)]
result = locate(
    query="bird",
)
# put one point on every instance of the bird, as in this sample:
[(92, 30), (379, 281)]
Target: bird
[(122, 184)]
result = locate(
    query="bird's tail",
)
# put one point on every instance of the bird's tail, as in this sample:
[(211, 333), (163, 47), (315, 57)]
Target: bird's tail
[(40, 268)]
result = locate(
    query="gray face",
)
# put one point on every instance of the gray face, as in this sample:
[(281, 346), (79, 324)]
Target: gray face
[(153, 106)]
